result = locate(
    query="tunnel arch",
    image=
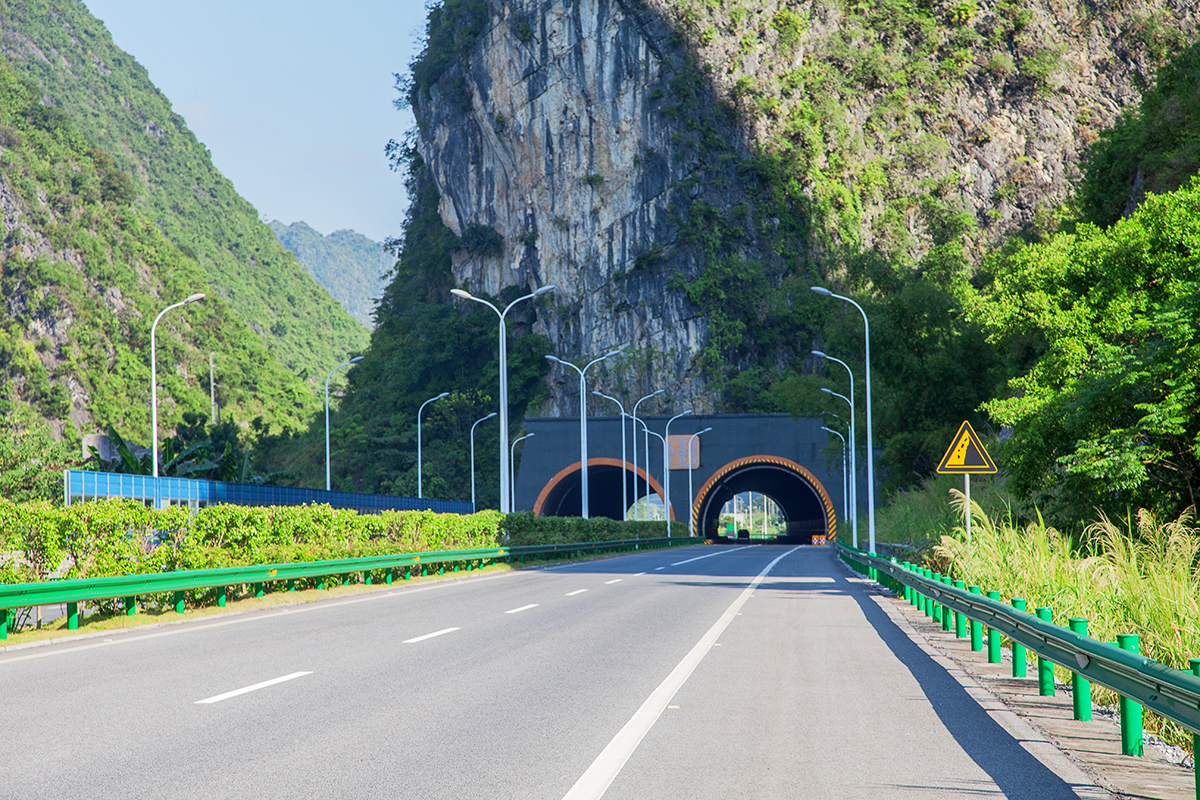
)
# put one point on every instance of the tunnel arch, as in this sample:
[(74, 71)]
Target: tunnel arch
[(560, 496), (805, 503)]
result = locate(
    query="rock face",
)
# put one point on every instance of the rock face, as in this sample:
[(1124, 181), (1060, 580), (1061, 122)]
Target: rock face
[(555, 135)]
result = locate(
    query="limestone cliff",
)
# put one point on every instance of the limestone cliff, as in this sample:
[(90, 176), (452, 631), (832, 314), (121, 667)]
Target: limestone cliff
[(877, 128)]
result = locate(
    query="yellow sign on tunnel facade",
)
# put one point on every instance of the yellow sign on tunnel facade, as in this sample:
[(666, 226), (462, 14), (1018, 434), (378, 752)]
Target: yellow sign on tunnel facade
[(966, 455)]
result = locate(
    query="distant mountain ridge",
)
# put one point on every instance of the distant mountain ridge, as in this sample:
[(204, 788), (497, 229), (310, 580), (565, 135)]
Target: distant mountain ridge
[(348, 264)]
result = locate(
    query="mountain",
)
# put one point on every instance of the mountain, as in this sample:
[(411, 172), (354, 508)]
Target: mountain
[(684, 171), (110, 98), (349, 265)]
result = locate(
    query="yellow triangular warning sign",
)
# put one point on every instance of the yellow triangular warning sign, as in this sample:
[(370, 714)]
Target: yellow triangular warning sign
[(966, 455)]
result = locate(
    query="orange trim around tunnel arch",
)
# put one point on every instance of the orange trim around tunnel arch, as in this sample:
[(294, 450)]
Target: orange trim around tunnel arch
[(595, 462), (749, 461)]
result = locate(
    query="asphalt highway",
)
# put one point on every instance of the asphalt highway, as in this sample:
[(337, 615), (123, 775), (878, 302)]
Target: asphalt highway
[(705, 672)]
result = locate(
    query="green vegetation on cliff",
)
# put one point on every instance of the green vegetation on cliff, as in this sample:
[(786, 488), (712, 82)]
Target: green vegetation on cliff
[(349, 265)]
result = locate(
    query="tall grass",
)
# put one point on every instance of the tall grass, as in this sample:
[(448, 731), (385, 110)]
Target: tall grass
[(1141, 575)]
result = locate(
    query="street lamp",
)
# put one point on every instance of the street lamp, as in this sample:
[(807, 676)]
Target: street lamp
[(853, 443), (420, 495), (666, 464), (583, 454), (692, 497), (624, 477), (821, 290), (504, 450), (483, 419), (666, 500), (512, 480), (354, 360), (845, 496), (154, 388), (852, 494), (636, 513)]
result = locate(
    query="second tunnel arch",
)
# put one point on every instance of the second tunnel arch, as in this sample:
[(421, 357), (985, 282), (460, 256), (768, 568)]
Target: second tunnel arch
[(806, 504)]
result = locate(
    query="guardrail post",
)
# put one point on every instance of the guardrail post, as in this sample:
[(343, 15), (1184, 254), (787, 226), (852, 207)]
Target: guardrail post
[(72, 616), (908, 598), (3, 623), (258, 589), (1018, 649), (960, 619), (1131, 710), (1081, 687), (993, 635), (222, 594), (930, 604), (976, 626), (387, 576), (179, 607), (1045, 667), (937, 607), (291, 584), (408, 573), (130, 606), (1195, 664), (873, 573), (320, 584), (947, 612), (367, 577)]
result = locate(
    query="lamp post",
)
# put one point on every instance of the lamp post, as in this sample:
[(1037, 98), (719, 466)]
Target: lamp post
[(666, 454), (852, 444), (845, 495), (583, 456), (666, 500), (636, 513), (483, 419), (692, 497), (512, 480), (821, 290), (420, 493), (853, 463), (154, 388), (354, 360), (504, 450), (624, 478)]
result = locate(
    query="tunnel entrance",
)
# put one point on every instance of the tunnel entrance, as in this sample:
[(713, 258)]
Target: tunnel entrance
[(561, 497), (806, 506)]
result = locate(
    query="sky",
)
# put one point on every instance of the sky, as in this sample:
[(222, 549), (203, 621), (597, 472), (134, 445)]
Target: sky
[(293, 99)]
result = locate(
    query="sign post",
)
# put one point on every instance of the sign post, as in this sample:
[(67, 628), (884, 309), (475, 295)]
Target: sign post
[(966, 456)]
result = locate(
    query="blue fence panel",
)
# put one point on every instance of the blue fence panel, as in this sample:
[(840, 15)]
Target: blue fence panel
[(86, 485)]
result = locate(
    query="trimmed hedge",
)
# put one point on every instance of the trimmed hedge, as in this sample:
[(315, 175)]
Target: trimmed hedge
[(524, 528)]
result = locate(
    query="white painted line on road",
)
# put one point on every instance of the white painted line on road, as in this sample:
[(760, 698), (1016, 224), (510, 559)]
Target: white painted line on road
[(600, 775), (638, 574), (442, 632), (614, 580), (522, 608), (577, 591), (244, 690), (710, 555), (658, 568)]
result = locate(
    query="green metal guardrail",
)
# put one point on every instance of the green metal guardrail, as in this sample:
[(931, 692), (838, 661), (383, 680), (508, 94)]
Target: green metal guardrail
[(128, 587), (1140, 680)]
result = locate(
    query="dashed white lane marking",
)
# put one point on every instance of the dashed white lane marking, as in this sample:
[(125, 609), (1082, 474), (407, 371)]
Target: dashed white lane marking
[(614, 580), (638, 574), (658, 568), (443, 631), (595, 782), (219, 697), (522, 608), (710, 555), (577, 591)]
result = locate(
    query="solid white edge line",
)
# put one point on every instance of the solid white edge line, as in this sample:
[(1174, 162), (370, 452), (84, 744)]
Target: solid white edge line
[(614, 580), (522, 608), (416, 639), (710, 555), (604, 770), (219, 697), (577, 591)]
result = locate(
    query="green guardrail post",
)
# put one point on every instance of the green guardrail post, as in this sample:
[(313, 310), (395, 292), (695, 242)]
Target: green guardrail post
[(388, 575), (408, 573), (222, 595), (291, 584), (930, 605), (367, 578), (1018, 649), (3, 623), (1195, 664), (1131, 710), (873, 573), (179, 607), (72, 616), (908, 598), (258, 589), (937, 607), (130, 606), (1081, 687), (1045, 667), (993, 635), (947, 612), (960, 619), (976, 626), (320, 584)]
